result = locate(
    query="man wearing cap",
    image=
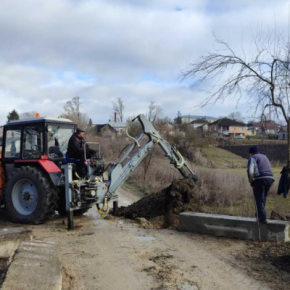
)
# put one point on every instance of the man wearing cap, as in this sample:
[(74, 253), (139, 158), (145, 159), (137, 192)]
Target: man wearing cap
[(75, 150), (261, 178)]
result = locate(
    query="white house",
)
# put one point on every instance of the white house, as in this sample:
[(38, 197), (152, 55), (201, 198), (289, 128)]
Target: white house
[(282, 133)]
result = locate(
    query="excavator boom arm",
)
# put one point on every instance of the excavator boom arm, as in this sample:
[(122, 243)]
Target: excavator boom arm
[(123, 168)]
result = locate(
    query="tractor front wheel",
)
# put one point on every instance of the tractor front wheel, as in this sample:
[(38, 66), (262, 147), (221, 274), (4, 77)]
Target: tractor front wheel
[(30, 196)]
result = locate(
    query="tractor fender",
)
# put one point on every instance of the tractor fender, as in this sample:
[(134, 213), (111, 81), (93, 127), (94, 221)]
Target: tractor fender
[(53, 171)]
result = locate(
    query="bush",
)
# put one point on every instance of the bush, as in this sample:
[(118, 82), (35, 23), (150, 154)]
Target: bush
[(224, 191)]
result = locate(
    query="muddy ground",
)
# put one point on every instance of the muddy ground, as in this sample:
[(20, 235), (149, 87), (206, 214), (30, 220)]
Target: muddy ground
[(118, 254), (162, 209)]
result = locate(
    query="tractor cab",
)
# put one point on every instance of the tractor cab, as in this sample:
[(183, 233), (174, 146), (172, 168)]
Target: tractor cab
[(32, 153), (33, 139)]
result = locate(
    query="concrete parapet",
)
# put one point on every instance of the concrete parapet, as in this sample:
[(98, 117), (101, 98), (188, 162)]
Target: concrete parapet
[(234, 227), (9, 242), (10, 239), (35, 266)]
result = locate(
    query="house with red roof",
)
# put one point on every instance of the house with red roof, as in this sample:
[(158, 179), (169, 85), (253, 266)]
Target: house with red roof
[(229, 127), (263, 128)]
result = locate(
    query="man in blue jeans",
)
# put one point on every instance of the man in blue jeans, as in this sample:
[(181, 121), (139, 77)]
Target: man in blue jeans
[(261, 178)]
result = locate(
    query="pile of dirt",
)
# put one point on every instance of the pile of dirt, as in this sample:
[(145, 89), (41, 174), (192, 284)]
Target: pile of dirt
[(161, 209)]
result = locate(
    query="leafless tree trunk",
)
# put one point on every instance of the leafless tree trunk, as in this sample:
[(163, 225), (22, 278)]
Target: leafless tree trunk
[(73, 107), (72, 111), (262, 77), (119, 107), (154, 112), (236, 116)]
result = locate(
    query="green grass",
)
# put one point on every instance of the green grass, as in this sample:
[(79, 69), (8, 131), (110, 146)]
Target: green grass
[(247, 207), (228, 162), (220, 158), (225, 161)]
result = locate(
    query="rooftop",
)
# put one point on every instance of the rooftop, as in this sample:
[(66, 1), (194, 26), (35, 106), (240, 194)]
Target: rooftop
[(283, 129), (198, 117), (199, 121), (100, 127), (227, 122), (41, 119)]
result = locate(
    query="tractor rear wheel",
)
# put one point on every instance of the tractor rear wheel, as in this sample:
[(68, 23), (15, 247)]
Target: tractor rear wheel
[(30, 196)]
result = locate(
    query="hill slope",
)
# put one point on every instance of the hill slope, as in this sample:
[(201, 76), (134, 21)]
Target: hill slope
[(220, 158)]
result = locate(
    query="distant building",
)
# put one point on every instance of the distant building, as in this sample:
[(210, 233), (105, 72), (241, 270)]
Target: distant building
[(108, 129), (270, 128), (227, 127), (190, 118), (263, 128), (104, 130), (120, 127), (200, 123), (282, 133), (252, 129), (203, 127)]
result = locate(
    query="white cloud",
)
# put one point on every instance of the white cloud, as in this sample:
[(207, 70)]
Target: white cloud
[(53, 50)]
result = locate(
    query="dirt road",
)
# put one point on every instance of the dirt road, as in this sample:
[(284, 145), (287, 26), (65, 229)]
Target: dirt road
[(118, 254)]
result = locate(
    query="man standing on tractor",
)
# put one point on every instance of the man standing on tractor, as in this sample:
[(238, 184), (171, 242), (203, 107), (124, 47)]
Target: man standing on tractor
[(76, 150)]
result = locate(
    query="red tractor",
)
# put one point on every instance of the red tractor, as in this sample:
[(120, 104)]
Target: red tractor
[(33, 151), (36, 178)]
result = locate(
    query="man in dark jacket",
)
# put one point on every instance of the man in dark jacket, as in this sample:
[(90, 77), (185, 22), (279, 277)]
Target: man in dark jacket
[(261, 178), (75, 150)]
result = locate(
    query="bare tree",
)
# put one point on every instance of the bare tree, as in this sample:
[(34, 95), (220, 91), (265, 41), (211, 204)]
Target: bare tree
[(72, 111), (154, 112), (72, 108), (27, 115), (119, 107), (262, 76), (236, 116)]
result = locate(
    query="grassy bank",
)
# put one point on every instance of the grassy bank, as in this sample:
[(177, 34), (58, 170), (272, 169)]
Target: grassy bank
[(219, 158), (222, 187)]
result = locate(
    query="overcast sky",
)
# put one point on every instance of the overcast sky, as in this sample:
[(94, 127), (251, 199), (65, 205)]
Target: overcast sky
[(99, 50)]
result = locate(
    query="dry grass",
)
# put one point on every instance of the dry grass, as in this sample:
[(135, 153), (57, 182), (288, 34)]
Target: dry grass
[(222, 190)]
